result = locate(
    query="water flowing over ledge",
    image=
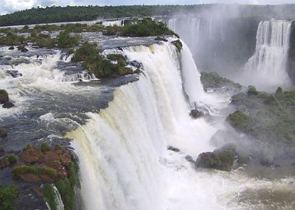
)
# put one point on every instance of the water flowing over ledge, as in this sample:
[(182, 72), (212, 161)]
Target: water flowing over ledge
[(122, 150), (271, 56)]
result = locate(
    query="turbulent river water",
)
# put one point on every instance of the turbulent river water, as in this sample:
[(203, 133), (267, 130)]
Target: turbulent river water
[(121, 129)]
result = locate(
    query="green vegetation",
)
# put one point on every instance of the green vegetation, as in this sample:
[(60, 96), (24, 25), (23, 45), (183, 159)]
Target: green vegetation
[(65, 40), (12, 159), (178, 45), (252, 91), (95, 63), (35, 170), (221, 159), (8, 195), (146, 27), (271, 117), (239, 120), (45, 147), (49, 196), (213, 80), (11, 39), (66, 187), (83, 13)]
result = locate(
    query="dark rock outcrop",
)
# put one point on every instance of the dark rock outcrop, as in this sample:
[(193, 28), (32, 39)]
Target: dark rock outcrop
[(11, 48), (221, 159), (174, 149), (291, 54), (136, 64), (14, 73), (22, 48), (3, 97), (158, 38), (8, 105), (195, 113)]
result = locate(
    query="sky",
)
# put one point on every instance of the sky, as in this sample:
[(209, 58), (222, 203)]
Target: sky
[(13, 5)]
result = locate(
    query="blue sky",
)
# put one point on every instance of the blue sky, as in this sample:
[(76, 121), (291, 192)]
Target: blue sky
[(8, 6)]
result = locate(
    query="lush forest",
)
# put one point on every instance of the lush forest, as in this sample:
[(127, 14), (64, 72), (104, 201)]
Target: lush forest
[(84, 13)]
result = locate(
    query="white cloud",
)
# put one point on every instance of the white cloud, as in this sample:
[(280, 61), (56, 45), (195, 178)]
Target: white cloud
[(11, 5)]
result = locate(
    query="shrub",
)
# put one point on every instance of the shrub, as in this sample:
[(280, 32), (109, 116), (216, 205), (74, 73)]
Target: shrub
[(8, 194), (12, 158), (65, 40), (35, 170), (95, 63), (239, 120), (178, 45), (86, 52), (146, 27), (279, 91), (45, 147), (120, 59), (252, 91), (67, 192), (49, 196)]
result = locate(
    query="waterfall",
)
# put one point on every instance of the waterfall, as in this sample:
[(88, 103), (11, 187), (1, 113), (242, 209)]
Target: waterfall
[(189, 29), (123, 153), (191, 76), (268, 66)]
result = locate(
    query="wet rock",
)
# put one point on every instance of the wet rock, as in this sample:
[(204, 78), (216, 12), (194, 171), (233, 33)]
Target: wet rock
[(22, 48), (221, 159), (14, 73), (3, 132), (195, 113), (189, 159), (3, 97), (136, 64), (8, 105), (11, 48), (161, 39), (174, 149)]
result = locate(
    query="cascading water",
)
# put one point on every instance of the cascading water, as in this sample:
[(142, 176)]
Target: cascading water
[(267, 68), (124, 162), (122, 150)]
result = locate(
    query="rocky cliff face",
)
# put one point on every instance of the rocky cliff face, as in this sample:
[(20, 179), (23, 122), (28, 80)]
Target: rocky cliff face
[(291, 54)]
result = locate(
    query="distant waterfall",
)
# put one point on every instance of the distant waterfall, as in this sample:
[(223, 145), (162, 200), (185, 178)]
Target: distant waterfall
[(123, 149), (189, 29), (268, 66)]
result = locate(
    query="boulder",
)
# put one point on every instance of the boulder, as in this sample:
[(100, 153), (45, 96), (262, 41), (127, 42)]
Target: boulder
[(14, 73), (3, 97), (221, 159), (3, 132), (136, 64), (158, 38), (22, 48), (195, 113), (189, 159), (8, 105), (11, 48), (174, 149)]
